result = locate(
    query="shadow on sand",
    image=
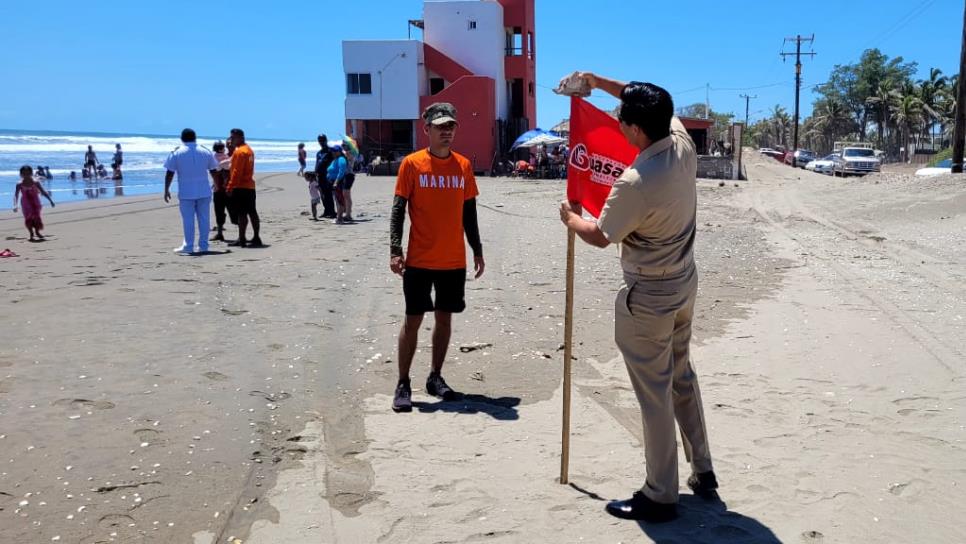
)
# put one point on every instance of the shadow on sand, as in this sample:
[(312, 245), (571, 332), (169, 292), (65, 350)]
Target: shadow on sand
[(503, 408), (701, 521)]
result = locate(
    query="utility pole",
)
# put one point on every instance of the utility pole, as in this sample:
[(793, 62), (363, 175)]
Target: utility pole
[(959, 130), (747, 102), (707, 101), (798, 79)]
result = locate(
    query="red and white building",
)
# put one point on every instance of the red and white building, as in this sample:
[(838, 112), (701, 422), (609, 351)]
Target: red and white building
[(478, 55)]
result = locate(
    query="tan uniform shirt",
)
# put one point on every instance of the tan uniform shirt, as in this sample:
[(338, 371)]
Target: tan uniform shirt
[(651, 208)]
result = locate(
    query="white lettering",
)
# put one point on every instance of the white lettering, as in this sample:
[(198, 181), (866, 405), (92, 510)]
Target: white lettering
[(423, 180)]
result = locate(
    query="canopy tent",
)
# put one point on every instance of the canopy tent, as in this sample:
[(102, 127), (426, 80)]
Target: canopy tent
[(547, 138)]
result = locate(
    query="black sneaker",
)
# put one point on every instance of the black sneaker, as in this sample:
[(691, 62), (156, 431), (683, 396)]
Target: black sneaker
[(641, 508), (704, 484), (436, 386), (402, 401)]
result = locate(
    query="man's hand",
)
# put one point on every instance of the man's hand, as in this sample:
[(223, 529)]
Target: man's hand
[(167, 196), (397, 264), (589, 78), (479, 265), (569, 211)]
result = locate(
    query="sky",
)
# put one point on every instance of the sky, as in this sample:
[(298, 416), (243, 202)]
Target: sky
[(275, 68)]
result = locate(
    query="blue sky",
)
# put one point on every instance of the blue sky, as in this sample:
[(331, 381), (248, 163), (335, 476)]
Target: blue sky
[(275, 68)]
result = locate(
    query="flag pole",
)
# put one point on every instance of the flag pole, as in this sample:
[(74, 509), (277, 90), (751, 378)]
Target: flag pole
[(568, 349)]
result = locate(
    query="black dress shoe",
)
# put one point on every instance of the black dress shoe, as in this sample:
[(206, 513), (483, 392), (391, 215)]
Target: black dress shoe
[(704, 485), (641, 508)]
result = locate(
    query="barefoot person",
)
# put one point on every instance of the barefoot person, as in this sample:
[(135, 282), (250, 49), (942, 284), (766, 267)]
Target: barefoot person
[(651, 213), (191, 162), (241, 190), (90, 162), (323, 158), (438, 186), (28, 191)]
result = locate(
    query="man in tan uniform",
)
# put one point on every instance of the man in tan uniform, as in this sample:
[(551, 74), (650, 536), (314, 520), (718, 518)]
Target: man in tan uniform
[(651, 213)]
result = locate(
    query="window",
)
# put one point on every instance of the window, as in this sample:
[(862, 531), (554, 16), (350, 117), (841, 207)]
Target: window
[(471, 25), (436, 85), (530, 86), (358, 83), (514, 42)]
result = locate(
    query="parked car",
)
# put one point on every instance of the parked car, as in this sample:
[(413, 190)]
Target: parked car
[(944, 167), (855, 160), (801, 157), (821, 166), (777, 155)]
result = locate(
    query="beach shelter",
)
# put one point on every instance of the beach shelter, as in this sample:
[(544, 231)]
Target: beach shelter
[(526, 136), (547, 138)]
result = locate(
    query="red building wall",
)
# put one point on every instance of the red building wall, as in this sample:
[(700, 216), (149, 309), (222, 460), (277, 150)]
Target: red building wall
[(474, 98)]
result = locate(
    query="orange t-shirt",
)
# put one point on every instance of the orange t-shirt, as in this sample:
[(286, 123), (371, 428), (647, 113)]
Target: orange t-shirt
[(242, 173), (436, 189)]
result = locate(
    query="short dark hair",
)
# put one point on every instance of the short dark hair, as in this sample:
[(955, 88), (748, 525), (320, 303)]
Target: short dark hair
[(237, 132), (218, 146), (649, 107), (188, 135)]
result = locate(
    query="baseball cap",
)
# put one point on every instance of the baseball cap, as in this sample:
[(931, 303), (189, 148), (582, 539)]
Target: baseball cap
[(440, 113), (335, 147)]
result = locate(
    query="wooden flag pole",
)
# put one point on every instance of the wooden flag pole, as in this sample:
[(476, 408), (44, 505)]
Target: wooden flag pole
[(568, 349)]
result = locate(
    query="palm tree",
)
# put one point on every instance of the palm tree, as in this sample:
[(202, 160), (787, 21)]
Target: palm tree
[(780, 121), (832, 120), (930, 94), (881, 101), (907, 113)]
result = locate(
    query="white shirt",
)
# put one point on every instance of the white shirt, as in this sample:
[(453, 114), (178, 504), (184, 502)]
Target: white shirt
[(192, 162)]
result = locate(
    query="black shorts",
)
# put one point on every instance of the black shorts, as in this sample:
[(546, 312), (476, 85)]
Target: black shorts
[(347, 181), (450, 286), (242, 202)]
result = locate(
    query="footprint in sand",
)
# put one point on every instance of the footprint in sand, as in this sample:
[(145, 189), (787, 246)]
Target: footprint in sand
[(78, 404), (233, 312), (147, 435), (812, 536), (215, 376)]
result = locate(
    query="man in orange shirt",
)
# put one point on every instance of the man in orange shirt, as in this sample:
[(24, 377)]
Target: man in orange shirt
[(438, 186), (241, 189)]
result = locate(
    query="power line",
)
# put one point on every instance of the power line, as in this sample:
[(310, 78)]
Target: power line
[(903, 21)]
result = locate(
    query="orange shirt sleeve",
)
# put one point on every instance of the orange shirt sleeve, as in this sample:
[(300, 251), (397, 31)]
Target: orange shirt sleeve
[(405, 180)]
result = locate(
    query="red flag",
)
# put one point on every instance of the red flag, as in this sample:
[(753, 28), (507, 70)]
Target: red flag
[(599, 154)]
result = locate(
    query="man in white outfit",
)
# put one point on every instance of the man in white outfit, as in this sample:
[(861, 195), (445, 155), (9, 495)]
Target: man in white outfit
[(191, 163)]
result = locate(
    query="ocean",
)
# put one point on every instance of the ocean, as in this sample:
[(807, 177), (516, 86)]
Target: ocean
[(143, 167)]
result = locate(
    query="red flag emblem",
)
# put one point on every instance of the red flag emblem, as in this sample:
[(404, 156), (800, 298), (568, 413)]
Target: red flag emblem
[(599, 154)]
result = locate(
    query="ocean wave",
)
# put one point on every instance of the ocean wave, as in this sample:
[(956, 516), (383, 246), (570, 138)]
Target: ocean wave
[(129, 144)]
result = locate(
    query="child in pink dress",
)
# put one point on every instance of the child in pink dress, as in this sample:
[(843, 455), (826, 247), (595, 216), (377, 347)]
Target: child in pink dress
[(29, 191)]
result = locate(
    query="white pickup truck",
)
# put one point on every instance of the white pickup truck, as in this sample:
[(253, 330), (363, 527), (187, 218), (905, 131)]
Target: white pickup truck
[(854, 158)]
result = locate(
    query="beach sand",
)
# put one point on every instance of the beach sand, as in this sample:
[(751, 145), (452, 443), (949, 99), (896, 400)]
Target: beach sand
[(150, 397)]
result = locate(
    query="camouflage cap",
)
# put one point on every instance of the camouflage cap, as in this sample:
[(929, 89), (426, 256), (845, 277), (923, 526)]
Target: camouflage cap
[(440, 113)]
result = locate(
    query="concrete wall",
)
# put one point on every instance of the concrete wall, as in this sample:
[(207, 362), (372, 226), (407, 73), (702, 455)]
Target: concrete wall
[(403, 81), (717, 167), (481, 50)]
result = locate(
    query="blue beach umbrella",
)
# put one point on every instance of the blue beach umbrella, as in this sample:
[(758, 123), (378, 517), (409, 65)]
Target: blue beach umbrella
[(527, 136)]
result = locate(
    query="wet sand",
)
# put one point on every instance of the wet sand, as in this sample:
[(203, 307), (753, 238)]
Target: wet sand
[(150, 397)]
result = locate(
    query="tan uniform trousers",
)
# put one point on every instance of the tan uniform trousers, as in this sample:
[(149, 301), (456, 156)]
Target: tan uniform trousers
[(653, 332)]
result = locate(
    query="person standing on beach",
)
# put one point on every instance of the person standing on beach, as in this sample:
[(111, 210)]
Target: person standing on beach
[(241, 190), (90, 161), (219, 189), (650, 212), (322, 161), (335, 175), (438, 186), (28, 191), (117, 162), (302, 155), (191, 163)]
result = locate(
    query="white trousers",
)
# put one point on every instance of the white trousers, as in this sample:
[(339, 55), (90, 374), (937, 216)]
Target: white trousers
[(192, 208)]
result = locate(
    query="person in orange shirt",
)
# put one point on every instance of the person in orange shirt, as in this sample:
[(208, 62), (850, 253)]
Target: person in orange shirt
[(440, 191), (241, 190)]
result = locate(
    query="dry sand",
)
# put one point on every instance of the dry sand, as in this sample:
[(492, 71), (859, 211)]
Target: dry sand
[(148, 397)]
